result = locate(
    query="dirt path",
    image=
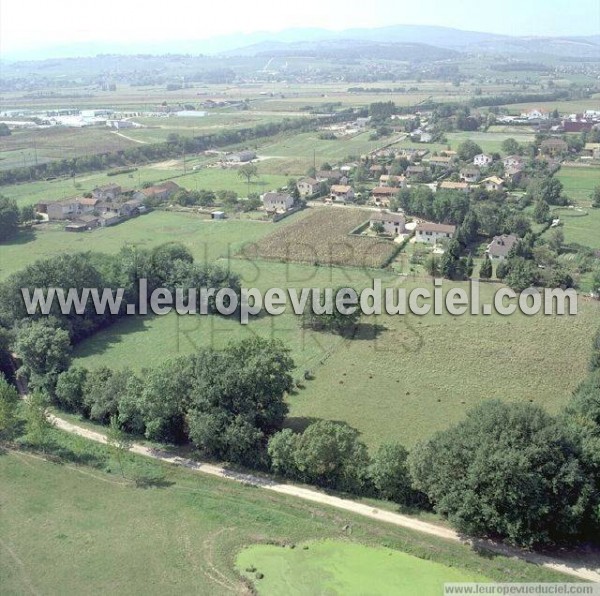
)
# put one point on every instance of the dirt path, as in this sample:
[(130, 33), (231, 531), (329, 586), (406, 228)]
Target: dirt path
[(315, 496), (120, 134)]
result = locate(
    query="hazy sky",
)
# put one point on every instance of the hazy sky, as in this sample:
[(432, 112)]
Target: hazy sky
[(27, 24)]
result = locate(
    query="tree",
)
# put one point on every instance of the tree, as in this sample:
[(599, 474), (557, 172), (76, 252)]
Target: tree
[(486, 270), (247, 172), (378, 228), (507, 470), (330, 454), (556, 239), (390, 475), (9, 218), (432, 266), (4, 130), (37, 424), (511, 147), (596, 282), (541, 212), (69, 392), (9, 398), (282, 453), (596, 197), (117, 441), (468, 149), (44, 350), (237, 396), (595, 359), (336, 322), (522, 274)]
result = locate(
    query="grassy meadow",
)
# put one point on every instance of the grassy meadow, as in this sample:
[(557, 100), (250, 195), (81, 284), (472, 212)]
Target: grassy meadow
[(344, 568), (75, 525)]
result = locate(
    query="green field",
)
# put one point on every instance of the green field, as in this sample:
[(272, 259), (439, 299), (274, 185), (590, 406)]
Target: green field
[(490, 142), (579, 184), (76, 526), (344, 568), (402, 378)]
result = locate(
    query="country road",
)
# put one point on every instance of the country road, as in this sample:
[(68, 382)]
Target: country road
[(316, 496)]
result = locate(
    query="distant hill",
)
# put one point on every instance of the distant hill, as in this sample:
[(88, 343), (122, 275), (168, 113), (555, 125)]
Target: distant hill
[(304, 40), (349, 49)]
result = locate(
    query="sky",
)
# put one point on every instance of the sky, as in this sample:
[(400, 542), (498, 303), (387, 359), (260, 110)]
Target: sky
[(27, 24)]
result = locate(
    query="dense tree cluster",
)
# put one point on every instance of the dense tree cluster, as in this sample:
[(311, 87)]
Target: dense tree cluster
[(225, 402), (167, 266)]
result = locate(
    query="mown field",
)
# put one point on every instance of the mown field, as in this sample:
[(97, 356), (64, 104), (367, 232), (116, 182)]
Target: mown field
[(323, 238), (344, 568), (207, 239), (387, 381), (76, 526), (579, 184)]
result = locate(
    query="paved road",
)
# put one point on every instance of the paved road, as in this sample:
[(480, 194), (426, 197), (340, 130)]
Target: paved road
[(315, 496)]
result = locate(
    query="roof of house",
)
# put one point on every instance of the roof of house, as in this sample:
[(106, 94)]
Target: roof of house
[(391, 178), (276, 196), (385, 190), (86, 218), (518, 158), (483, 155), (494, 180), (591, 146), (500, 246), (426, 226), (470, 170), (329, 174), (416, 169), (343, 188), (454, 185), (88, 201), (388, 216), (440, 159), (308, 180), (554, 142)]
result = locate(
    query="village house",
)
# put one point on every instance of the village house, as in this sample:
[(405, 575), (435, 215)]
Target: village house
[(513, 161), (158, 192), (536, 114), (68, 208), (448, 185), (440, 161), (432, 233), (393, 223), (493, 183), (108, 192), (376, 170), (415, 171), (341, 193), (241, 157), (554, 147), (334, 176), (388, 180), (500, 246), (83, 223), (110, 218), (382, 195), (482, 160), (470, 174), (277, 201), (131, 207), (308, 186), (592, 150)]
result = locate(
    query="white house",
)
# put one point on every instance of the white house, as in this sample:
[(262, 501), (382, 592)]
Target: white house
[(277, 201), (513, 161), (482, 160), (470, 174), (536, 114), (432, 233), (393, 223), (493, 183)]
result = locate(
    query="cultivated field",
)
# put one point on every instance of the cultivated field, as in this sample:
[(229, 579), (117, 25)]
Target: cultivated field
[(322, 238)]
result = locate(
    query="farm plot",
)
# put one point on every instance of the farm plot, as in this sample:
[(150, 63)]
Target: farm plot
[(323, 238)]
